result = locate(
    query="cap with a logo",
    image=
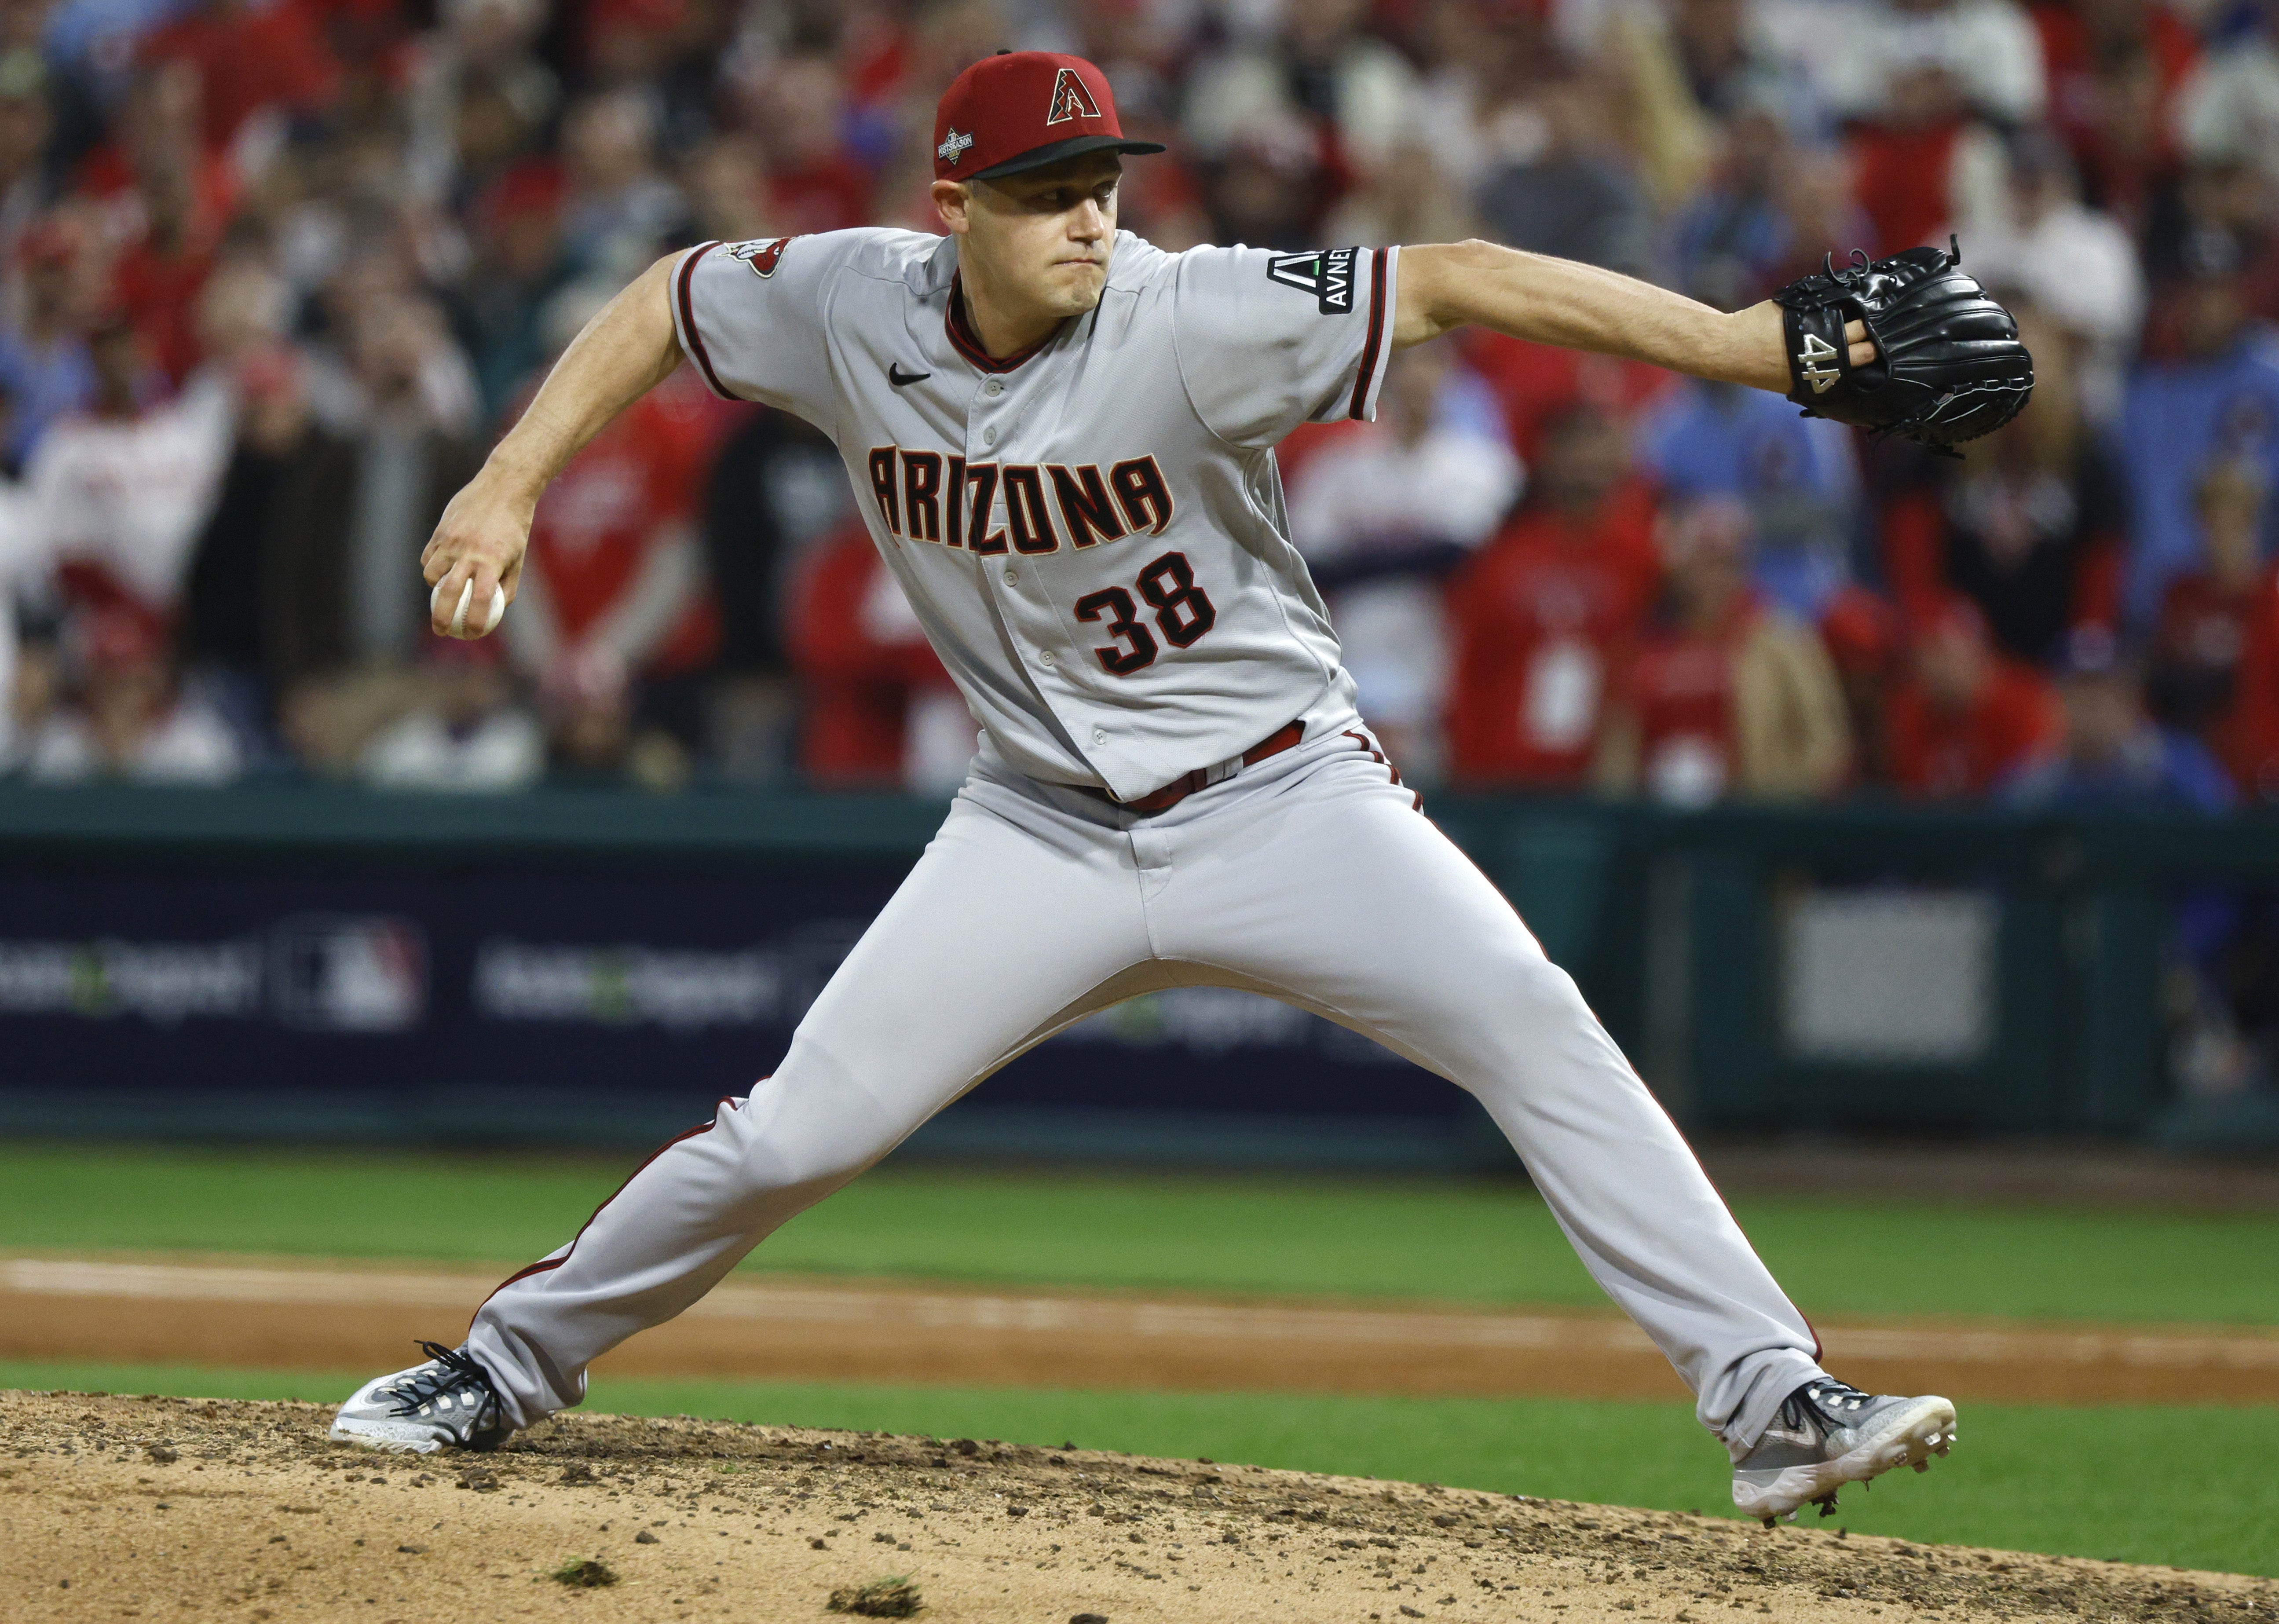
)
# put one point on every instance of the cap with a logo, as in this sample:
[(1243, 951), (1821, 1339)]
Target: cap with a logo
[(1022, 110)]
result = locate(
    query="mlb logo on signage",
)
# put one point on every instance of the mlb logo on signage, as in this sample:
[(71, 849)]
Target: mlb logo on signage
[(336, 974)]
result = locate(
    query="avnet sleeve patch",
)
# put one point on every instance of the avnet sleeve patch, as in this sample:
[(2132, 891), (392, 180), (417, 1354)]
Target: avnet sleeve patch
[(1326, 274)]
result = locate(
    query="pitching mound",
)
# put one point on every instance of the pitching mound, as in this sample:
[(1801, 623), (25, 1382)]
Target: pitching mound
[(149, 1507)]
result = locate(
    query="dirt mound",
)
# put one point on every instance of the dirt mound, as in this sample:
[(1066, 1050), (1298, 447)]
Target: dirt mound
[(148, 1507)]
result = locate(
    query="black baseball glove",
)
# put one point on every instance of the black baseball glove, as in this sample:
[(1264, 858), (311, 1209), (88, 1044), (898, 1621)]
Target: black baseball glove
[(1948, 364)]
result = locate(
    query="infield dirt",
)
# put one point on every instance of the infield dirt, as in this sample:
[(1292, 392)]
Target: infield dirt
[(119, 1507)]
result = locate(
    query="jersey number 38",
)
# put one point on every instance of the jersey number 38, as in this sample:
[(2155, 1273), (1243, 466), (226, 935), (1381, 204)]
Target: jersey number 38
[(1182, 614)]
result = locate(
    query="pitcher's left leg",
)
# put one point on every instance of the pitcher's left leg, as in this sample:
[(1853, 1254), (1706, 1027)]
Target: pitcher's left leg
[(1334, 889)]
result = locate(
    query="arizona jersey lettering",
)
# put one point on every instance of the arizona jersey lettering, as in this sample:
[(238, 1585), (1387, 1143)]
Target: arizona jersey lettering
[(1092, 533)]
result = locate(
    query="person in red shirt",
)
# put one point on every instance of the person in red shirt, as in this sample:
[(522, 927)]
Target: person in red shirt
[(2114, 67), (1541, 613), (2193, 675), (1967, 717), (873, 696), (251, 57), (615, 566), (1540, 385), (815, 182), (1861, 629), (1724, 695)]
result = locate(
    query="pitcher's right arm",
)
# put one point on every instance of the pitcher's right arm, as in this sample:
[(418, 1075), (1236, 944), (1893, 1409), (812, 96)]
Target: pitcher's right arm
[(628, 349)]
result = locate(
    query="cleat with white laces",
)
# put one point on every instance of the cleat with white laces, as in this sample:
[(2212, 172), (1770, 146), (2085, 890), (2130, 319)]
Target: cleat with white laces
[(447, 1403), (1827, 1435)]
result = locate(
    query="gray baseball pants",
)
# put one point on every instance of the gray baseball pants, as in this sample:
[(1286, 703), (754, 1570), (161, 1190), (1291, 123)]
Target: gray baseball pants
[(1311, 877)]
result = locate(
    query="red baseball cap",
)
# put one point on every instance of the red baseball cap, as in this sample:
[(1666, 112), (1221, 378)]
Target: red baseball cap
[(1022, 110)]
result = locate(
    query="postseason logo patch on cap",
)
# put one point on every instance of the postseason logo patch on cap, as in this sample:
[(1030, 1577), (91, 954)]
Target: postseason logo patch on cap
[(954, 147)]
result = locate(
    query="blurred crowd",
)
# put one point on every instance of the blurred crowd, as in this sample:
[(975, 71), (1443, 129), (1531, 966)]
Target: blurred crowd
[(273, 274)]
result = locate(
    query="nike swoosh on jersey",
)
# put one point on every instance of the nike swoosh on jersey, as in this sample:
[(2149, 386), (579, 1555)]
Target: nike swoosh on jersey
[(901, 380)]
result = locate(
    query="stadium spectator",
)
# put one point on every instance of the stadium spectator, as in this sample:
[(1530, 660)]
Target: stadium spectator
[(464, 734), (618, 210), (2117, 758), (2193, 674), (1859, 628), (2216, 197), (2228, 108), (816, 180), (775, 487), (1798, 477), (1538, 384), (1733, 64), (520, 264), (2113, 753), (16, 567), (1320, 70), (1404, 501), (27, 122), (2074, 263), (403, 211), (1923, 161), (43, 359), (249, 60), (354, 492), (2248, 733), (1724, 695), (1268, 188), (1732, 237), (128, 718), (1545, 611), (1966, 716), (474, 99), (2217, 401), (2115, 68), (615, 574), (115, 494), (877, 709), (1986, 53), (1567, 197), (2026, 527)]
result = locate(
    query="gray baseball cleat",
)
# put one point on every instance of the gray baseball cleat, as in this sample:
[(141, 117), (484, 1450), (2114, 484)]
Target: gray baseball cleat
[(1827, 1435), (447, 1403)]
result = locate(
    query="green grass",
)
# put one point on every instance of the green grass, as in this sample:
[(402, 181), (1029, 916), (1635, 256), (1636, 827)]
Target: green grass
[(1465, 1240), (2187, 1487)]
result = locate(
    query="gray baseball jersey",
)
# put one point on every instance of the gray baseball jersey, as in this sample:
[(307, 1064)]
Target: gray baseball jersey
[(1092, 533)]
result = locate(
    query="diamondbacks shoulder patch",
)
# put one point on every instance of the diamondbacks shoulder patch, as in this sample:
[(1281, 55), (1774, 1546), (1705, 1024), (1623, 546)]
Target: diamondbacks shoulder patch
[(761, 253), (1326, 274)]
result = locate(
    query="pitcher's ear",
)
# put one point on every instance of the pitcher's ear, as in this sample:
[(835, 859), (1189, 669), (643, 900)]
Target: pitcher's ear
[(953, 201)]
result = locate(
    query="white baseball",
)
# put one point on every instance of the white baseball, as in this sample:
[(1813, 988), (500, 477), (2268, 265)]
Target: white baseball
[(466, 601)]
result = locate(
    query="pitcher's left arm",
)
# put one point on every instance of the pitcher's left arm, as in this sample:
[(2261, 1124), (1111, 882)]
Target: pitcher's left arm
[(1448, 284)]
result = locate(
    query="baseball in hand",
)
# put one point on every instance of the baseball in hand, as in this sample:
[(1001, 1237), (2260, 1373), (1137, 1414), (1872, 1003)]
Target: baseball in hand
[(466, 601)]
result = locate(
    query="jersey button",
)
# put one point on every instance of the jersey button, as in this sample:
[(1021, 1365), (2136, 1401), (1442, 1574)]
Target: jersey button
[(1049, 658), (989, 436), (1100, 735), (1012, 575), (995, 386)]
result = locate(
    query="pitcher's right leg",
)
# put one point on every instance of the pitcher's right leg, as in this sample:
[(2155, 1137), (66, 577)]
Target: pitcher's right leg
[(1008, 922)]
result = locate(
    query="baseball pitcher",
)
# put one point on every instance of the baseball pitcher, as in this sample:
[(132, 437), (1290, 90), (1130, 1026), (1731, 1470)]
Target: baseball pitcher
[(1063, 440)]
